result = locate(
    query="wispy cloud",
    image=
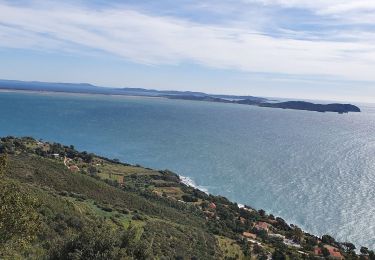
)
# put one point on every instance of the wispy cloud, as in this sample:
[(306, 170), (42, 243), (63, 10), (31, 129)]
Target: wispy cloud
[(334, 6), (345, 10), (154, 39)]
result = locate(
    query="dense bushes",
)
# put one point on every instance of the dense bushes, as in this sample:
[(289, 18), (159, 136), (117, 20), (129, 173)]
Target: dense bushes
[(19, 221), (102, 240)]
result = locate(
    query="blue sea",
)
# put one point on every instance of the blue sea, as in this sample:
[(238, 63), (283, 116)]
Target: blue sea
[(316, 170)]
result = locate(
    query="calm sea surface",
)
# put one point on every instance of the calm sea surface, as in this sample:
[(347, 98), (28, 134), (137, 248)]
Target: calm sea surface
[(316, 170)]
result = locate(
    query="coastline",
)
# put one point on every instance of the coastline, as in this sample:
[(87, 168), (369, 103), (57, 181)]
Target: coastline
[(298, 104), (166, 193), (191, 183), (197, 186), (61, 93)]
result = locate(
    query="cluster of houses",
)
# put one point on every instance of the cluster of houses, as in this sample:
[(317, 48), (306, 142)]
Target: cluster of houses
[(264, 226), (267, 227), (67, 161)]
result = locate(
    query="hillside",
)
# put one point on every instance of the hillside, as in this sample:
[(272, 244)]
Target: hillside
[(58, 203)]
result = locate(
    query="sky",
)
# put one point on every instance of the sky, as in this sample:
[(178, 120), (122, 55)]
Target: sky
[(310, 49)]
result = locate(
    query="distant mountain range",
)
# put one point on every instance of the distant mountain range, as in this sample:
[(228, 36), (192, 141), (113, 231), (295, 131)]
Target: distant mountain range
[(172, 94), (92, 89)]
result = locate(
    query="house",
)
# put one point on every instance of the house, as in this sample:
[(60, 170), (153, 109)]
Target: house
[(333, 251), (249, 235), (260, 225), (56, 155)]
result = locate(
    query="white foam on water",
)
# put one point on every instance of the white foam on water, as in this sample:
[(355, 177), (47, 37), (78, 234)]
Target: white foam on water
[(191, 183)]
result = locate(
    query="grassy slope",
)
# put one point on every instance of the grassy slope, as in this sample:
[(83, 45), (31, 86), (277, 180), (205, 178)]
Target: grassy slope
[(167, 226)]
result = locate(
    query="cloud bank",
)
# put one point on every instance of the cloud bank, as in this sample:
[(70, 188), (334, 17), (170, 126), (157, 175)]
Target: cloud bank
[(147, 38)]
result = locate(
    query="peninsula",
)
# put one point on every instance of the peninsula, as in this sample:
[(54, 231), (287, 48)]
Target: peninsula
[(184, 95)]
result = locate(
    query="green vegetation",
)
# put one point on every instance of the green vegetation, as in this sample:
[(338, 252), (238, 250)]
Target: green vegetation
[(230, 248), (58, 203), (19, 221)]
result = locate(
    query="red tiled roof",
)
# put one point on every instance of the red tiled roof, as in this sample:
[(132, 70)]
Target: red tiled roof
[(262, 225), (334, 252)]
